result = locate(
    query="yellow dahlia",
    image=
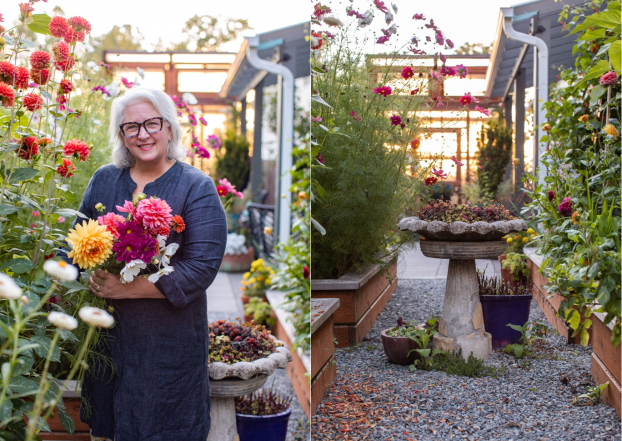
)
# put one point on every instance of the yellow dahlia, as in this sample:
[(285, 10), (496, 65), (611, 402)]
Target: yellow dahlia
[(611, 130), (91, 244)]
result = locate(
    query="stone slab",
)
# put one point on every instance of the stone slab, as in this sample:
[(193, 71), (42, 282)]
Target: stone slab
[(321, 311), (462, 250)]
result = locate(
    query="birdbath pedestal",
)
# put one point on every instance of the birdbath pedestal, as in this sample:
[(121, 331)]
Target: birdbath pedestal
[(461, 325), (228, 381)]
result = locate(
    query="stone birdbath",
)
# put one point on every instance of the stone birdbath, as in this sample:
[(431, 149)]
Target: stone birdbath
[(228, 381), (461, 325)]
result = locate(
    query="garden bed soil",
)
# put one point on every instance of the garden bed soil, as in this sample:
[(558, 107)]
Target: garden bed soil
[(530, 399), (362, 295), (323, 366)]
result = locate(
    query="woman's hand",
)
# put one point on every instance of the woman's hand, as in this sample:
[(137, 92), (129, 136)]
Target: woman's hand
[(108, 286)]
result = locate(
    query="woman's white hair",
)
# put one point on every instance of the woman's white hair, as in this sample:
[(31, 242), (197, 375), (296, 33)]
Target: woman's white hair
[(165, 106)]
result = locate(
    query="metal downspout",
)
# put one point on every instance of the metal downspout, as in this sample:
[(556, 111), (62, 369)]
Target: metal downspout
[(286, 137), (542, 89)]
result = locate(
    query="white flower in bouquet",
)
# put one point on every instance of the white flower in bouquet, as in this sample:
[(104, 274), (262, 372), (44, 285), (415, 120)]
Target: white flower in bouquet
[(96, 317), (62, 321), (131, 270), (167, 253), (60, 270), (153, 278), (236, 244), (8, 288)]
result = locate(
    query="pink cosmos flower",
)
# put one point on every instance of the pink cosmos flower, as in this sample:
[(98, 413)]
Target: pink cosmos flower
[(462, 71), (192, 119), (316, 119), (449, 43), (458, 163), (434, 74), (415, 50), (357, 14), (415, 91), (609, 79), (203, 121), (60, 220), (126, 83), (380, 5), (35, 213), (439, 173), (230, 187), (396, 120), (418, 17), (384, 90), (442, 57), (128, 207), (153, 213), (213, 141), (202, 152), (382, 40), (110, 221), (467, 99), (447, 71), (439, 38), (427, 38), (355, 116), (408, 73), (439, 103), (481, 109)]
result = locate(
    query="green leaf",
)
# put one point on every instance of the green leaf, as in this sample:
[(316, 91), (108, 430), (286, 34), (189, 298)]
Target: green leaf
[(518, 351), (596, 71), (515, 327), (73, 286), (29, 44), (585, 337), (607, 19), (6, 209), (6, 410), (23, 366), (44, 347), (40, 24), (18, 266), (23, 386), (596, 93), (573, 318), (69, 212), (319, 99), (614, 6), (65, 418), (614, 55)]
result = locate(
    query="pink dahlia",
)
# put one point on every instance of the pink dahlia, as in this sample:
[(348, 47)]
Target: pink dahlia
[(111, 221), (80, 24), (61, 51), (66, 86), (384, 90), (153, 213), (65, 65), (609, 79), (7, 71), (58, 26), (40, 59), (128, 207), (40, 76), (565, 208)]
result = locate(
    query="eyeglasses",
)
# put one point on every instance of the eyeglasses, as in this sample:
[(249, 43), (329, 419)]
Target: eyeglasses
[(151, 125)]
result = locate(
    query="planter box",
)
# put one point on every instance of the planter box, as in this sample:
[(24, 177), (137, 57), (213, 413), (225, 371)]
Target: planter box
[(323, 369), (549, 303), (606, 364), (72, 402), (362, 296), (299, 369), (237, 263)]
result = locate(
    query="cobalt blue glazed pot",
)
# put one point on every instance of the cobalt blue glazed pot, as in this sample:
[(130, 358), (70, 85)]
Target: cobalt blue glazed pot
[(499, 311), (263, 427)]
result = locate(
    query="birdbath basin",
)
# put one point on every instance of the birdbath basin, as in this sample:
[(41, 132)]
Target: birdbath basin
[(228, 381), (461, 325)]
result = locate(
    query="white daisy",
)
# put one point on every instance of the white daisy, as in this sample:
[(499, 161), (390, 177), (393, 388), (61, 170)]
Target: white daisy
[(95, 317), (62, 321), (60, 270), (8, 288)]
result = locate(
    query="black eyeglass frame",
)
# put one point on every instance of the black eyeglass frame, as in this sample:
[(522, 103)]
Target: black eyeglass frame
[(143, 125)]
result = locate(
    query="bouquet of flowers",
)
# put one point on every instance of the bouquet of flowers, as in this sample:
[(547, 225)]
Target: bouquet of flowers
[(125, 246)]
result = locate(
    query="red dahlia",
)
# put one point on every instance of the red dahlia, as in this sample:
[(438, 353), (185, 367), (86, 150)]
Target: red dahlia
[(40, 60), (22, 79), (6, 95), (65, 65), (61, 51), (66, 169), (7, 70), (28, 148), (80, 24), (32, 102), (66, 86), (39, 77), (72, 36), (58, 26), (76, 147)]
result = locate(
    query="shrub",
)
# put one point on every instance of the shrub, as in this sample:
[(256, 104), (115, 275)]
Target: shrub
[(494, 150)]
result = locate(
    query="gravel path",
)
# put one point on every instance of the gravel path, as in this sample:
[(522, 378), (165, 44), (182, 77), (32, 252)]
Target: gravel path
[(373, 399), (298, 428)]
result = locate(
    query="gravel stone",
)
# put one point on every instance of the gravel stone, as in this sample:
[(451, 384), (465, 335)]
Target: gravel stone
[(373, 399)]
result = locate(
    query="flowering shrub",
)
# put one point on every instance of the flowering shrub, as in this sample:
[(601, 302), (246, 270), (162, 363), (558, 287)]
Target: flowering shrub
[(447, 211), (517, 241), (258, 279), (578, 205), (232, 342)]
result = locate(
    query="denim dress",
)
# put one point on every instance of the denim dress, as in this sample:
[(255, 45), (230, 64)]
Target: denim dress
[(159, 387)]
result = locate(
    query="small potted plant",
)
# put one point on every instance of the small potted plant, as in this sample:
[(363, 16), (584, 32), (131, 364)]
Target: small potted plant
[(259, 309), (262, 416), (256, 281), (402, 343), (238, 257), (504, 303), (515, 244)]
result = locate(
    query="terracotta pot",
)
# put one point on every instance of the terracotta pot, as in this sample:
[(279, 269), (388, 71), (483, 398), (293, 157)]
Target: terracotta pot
[(397, 348), (506, 275), (245, 299), (239, 263)]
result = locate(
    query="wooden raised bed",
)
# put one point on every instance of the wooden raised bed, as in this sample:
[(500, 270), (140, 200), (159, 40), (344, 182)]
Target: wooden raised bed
[(299, 369), (323, 368), (362, 296), (72, 402), (606, 365)]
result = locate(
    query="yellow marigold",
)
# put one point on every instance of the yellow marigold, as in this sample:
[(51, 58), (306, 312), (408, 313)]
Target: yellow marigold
[(584, 118), (259, 278), (91, 244), (246, 276), (268, 281), (509, 239), (611, 130), (252, 280), (525, 239), (530, 231)]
